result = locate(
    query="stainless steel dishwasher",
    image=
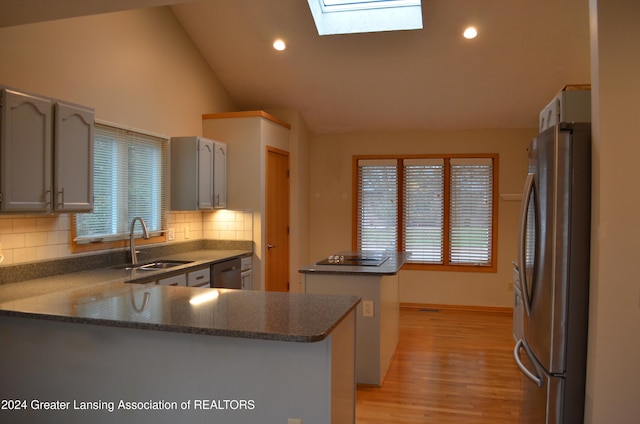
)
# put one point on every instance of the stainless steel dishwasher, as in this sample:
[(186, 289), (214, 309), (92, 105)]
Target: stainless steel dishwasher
[(226, 274)]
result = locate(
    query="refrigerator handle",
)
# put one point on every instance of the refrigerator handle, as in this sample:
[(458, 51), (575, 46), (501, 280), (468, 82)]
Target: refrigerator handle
[(516, 356), (522, 269)]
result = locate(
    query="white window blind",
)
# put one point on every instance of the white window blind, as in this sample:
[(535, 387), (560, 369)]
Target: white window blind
[(129, 181), (377, 205), (440, 207), (470, 231), (423, 211)]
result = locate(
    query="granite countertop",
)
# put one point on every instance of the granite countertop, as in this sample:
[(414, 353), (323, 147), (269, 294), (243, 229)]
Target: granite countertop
[(390, 266), (198, 259), (276, 316), (111, 296)]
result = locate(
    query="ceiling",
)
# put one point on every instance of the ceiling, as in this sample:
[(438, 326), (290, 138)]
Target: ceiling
[(432, 78)]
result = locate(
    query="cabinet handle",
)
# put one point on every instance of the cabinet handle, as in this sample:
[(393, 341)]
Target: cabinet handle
[(47, 197), (233, 268), (61, 193)]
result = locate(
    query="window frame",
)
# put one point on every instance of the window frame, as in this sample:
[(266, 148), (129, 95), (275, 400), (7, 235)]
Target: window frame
[(366, 16), (492, 268), (124, 241)]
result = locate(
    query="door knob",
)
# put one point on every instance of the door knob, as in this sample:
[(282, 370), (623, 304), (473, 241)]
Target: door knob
[(270, 246)]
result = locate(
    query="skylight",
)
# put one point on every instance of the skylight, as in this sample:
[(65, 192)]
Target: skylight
[(354, 16)]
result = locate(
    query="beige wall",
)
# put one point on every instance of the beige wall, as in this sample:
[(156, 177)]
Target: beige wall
[(331, 202), (299, 141), (248, 138), (138, 69), (613, 377)]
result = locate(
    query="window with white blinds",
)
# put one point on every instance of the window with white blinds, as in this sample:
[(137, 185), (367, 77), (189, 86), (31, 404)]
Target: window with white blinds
[(439, 209), (471, 211), (129, 181), (378, 205), (423, 221)]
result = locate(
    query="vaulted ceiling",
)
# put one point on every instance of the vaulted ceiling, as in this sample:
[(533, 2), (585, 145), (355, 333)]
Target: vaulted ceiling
[(432, 78)]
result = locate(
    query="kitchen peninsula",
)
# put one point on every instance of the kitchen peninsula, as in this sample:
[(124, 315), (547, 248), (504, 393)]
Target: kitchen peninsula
[(139, 353), (373, 276)]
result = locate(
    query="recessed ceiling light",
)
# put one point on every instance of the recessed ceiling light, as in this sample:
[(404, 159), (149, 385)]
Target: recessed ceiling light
[(470, 33), (279, 45)]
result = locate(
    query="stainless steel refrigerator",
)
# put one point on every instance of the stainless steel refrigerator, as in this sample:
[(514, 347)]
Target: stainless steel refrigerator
[(552, 276)]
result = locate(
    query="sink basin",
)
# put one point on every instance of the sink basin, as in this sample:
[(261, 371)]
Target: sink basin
[(152, 266), (162, 265)]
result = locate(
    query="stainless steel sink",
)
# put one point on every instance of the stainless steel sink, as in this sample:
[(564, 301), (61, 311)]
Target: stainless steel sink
[(152, 266), (162, 265)]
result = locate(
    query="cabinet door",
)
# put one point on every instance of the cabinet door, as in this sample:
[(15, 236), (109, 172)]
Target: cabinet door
[(205, 174), (73, 158), (25, 153), (176, 280), (220, 176), (199, 278)]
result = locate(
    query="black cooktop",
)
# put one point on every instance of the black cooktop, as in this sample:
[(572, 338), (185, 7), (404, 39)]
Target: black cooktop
[(354, 260)]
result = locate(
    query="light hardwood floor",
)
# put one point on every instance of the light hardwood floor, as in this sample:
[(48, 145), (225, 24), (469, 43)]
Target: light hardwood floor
[(450, 367)]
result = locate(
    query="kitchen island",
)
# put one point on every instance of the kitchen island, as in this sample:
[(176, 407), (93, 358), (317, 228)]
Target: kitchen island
[(372, 276), (136, 353)]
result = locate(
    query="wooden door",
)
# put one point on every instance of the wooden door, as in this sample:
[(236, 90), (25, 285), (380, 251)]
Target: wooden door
[(277, 220)]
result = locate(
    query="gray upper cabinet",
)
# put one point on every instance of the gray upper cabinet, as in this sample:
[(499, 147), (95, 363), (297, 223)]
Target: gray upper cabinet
[(73, 158), (46, 154), (198, 173)]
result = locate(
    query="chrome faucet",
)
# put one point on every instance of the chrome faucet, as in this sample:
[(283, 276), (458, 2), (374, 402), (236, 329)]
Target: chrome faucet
[(145, 234)]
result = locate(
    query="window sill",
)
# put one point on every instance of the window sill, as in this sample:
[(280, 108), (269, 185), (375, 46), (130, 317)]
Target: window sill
[(116, 244), (449, 268)]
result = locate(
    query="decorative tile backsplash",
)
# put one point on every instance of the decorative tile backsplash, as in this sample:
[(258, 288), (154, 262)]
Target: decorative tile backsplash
[(25, 238), (28, 238), (227, 224), (223, 224)]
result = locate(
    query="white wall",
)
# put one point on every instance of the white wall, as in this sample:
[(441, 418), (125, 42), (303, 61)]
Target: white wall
[(136, 68), (613, 378), (331, 204)]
